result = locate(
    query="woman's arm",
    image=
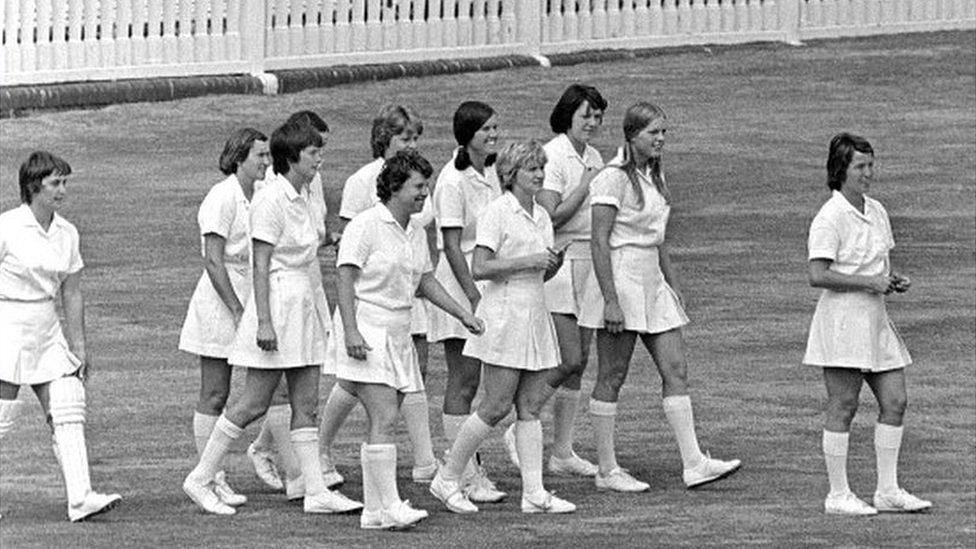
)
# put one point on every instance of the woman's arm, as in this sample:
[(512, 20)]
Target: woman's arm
[(485, 266), (562, 208), (213, 264), (356, 346), (436, 294), (603, 219), (664, 259), (267, 339), (73, 304), (822, 277), (455, 258)]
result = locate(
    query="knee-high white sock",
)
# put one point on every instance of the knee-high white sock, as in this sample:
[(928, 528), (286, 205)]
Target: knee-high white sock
[(528, 441), (203, 425), (887, 443), (372, 501), (563, 420), (223, 435), (334, 413), (278, 422), (678, 411), (417, 417), (603, 415), (452, 424), (9, 409), (835, 456), (472, 433), (379, 463), (305, 443)]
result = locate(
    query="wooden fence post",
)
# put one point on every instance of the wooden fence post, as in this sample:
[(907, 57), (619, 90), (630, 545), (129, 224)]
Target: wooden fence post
[(789, 21), (253, 34), (530, 26)]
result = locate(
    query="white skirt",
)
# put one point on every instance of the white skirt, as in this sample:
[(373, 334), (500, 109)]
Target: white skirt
[(209, 327), (32, 346), (519, 332), (564, 291), (852, 330), (647, 300), (419, 316), (299, 315), (391, 360), (440, 324)]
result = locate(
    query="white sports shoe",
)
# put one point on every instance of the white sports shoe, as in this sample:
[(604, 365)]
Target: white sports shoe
[(846, 503), (899, 501), (619, 480), (509, 438), (425, 474), (710, 470), (227, 494), (205, 498), (330, 502), (479, 488), (573, 466), (93, 504), (332, 478), (546, 502), (400, 516), (450, 494), (264, 467)]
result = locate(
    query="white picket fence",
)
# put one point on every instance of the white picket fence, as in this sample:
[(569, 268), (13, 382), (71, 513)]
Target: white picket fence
[(46, 41)]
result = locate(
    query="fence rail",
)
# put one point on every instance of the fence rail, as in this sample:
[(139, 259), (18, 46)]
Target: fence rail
[(46, 41)]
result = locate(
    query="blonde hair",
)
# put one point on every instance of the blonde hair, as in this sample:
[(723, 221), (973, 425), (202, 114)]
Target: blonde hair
[(515, 156), (639, 116)]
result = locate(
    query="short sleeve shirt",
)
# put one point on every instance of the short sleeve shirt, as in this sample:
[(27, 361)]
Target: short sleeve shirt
[(459, 198), (225, 213), (564, 172), (359, 194), (284, 217), (316, 194), (34, 262), (856, 243), (636, 224), (507, 229), (391, 259)]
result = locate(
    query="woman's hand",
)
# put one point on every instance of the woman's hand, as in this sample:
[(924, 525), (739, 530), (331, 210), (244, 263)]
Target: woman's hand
[(613, 317), (474, 324), (474, 297), (356, 346), (900, 283), (267, 338), (881, 284), (84, 370)]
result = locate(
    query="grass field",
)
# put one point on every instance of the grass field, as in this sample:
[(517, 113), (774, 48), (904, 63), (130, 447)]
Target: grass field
[(745, 157)]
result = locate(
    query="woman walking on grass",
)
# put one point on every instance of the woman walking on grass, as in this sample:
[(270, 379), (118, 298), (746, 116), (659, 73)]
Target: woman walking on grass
[(851, 336), (40, 262), (633, 293)]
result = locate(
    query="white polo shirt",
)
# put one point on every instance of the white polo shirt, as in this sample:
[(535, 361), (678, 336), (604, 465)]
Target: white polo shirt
[(225, 213), (316, 194), (507, 229), (391, 259), (359, 194), (634, 225), (459, 198), (564, 172), (285, 218), (856, 243), (34, 262)]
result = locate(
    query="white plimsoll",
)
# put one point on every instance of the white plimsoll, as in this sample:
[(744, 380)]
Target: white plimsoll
[(264, 466), (710, 470), (846, 503), (619, 480), (573, 466), (546, 502), (479, 487), (205, 498), (399, 516), (227, 494), (330, 502), (899, 501), (450, 494)]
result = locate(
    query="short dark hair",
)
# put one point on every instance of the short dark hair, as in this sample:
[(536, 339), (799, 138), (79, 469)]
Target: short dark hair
[(391, 121), (39, 165), (396, 171), (561, 118), (237, 148), (288, 142), (842, 148), (310, 118), (469, 117)]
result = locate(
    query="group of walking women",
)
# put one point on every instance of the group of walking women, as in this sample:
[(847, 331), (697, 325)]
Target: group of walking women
[(519, 256)]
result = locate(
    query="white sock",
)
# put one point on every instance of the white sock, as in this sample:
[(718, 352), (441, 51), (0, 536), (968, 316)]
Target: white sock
[(603, 415), (472, 433), (334, 413), (417, 417), (887, 443), (9, 409), (223, 435), (372, 499), (452, 424), (265, 440), (678, 411), (278, 423), (379, 463), (203, 425), (305, 443), (563, 419), (835, 456), (528, 441)]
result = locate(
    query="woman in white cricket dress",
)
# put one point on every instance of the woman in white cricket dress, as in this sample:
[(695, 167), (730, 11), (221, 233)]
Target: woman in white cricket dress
[(218, 300), (633, 292), (383, 259), (851, 336), (282, 330), (40, 263), (514, 254)]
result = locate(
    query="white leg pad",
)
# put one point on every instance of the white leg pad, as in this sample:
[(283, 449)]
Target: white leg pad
[(9, 410), (67, 400), (67, 407)]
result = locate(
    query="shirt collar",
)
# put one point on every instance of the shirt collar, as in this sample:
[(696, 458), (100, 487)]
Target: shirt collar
[(290, 192), (844, 205), (514, 205), (27, 219), (386, 216), (566, 144)]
